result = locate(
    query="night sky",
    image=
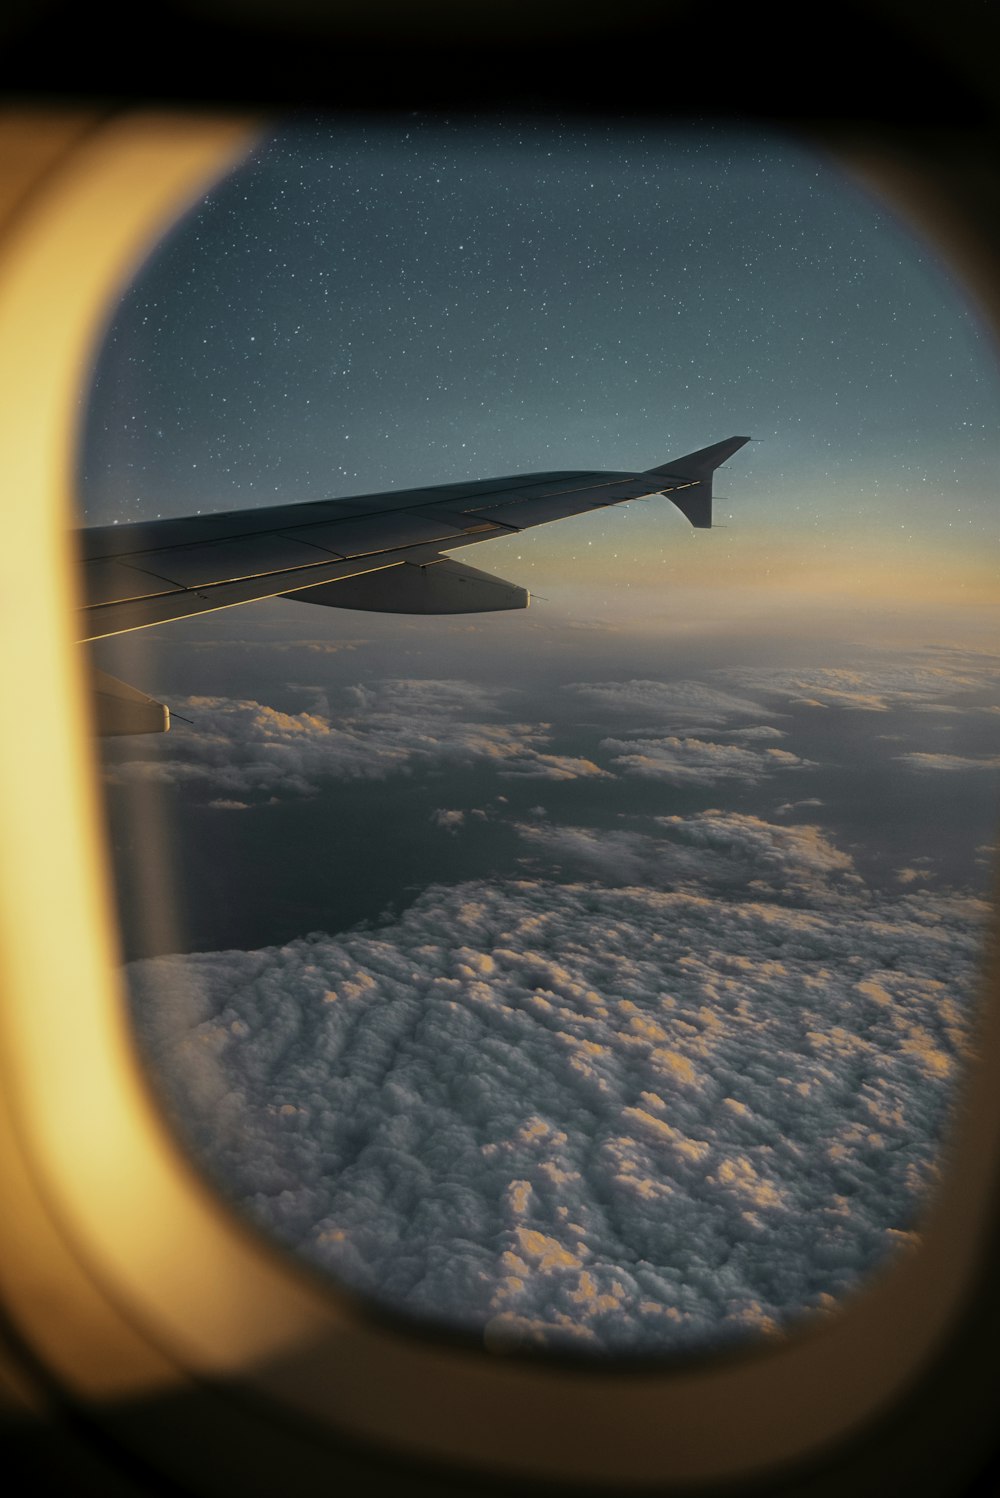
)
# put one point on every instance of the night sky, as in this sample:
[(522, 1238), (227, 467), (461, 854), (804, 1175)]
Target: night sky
[(597, 976)]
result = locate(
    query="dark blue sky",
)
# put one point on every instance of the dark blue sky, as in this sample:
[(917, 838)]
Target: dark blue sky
[(359, 308)]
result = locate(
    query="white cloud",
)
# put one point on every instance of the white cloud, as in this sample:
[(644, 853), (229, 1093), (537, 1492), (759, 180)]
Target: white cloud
[(608, 1118), (447, 820), (680, 761), (676, 701), (758, 733), (613, 856), (920, 680), (950, 764), (393, 727), (786, 851), (716, 851)]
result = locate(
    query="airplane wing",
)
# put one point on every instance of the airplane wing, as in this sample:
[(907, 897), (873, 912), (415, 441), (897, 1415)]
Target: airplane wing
[(373, 551)]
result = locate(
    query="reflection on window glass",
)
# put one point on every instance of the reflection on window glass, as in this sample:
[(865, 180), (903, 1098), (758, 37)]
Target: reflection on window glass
[(595, 977)]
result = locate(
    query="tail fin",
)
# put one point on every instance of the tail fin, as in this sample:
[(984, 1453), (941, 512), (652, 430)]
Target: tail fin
[(688, 480)]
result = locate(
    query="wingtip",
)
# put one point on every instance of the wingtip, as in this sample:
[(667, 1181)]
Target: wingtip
[(703, 463)]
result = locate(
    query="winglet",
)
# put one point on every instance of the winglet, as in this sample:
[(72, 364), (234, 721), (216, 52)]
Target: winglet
[(689, 479)]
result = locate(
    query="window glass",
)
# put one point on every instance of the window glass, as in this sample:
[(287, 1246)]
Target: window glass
[(596, 977)]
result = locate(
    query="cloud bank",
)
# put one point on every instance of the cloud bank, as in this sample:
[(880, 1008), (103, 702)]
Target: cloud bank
[(678, 761), (676, 701), (921, 680), (721, 852), (606, 1118), (244, 748), (951, 764)]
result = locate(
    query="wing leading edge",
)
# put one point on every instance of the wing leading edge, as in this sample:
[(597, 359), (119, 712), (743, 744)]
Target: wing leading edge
[(374, 551), (152, 572)]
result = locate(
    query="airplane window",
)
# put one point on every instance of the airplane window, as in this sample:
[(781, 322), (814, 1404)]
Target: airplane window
[(595, 978)]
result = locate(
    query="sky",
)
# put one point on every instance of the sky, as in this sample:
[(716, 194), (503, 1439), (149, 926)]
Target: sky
[(601, 976)]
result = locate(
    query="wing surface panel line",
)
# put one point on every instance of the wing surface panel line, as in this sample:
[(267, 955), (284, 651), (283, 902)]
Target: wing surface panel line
[(262, 521), (102, 620)]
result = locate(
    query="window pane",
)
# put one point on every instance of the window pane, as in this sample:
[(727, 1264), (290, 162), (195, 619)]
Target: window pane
[(597, 977)]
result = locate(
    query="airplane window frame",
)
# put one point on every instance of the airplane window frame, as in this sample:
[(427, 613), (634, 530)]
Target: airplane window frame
[(118, 1265)]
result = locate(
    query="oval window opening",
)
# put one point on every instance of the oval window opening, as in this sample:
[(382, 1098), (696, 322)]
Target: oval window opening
[(595, 979)]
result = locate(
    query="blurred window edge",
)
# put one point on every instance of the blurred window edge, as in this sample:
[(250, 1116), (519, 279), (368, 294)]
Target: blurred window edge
[(118, 1267)]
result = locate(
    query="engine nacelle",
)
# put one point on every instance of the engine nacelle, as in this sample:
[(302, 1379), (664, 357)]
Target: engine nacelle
[(437, 587)]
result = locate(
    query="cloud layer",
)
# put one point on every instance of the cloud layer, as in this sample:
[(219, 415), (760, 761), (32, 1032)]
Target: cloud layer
[(608, 1118), (951, 764), (678, 702), (678, 761), (722, 852), (681, 733), (922, 680), (685, 1080), (395, 727)]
